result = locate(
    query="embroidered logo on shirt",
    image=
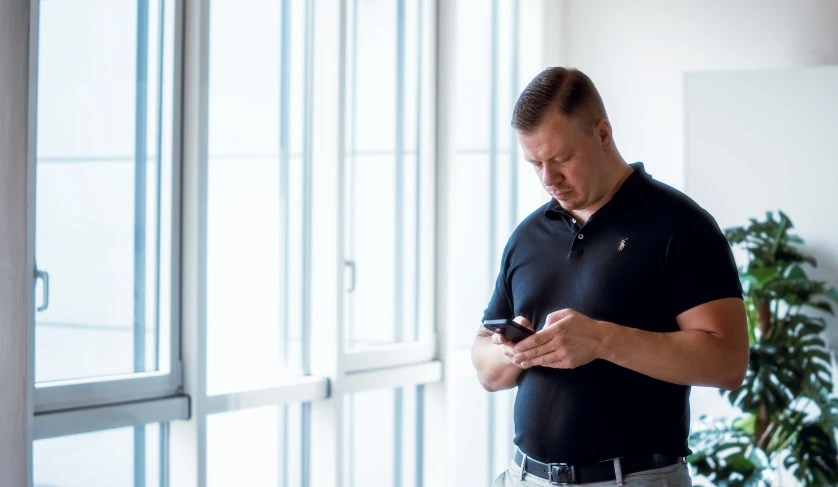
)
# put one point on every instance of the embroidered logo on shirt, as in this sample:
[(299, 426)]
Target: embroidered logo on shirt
[(622, 244)]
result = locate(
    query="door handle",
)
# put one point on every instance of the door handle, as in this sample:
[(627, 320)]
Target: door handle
[(351, 265), (44, 276)]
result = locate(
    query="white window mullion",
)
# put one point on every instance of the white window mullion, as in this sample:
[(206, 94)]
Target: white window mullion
[(324, 419), (188, 448), (439, 435)]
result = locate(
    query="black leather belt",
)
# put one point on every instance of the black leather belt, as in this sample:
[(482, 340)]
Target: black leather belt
[(563, 473)]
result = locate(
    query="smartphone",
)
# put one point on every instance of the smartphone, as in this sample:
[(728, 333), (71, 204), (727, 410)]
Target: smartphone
[(509, 329)]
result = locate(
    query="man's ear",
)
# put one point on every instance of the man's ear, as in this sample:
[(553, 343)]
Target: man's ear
[(603, 132)]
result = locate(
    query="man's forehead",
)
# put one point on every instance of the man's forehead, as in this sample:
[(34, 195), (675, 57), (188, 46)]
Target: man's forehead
[(542, 149)]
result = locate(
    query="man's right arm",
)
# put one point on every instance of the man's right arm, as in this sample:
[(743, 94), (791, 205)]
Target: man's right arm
[(491, 355)]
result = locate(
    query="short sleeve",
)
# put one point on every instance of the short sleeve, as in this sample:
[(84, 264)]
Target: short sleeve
[(700, 265), (500, 305)]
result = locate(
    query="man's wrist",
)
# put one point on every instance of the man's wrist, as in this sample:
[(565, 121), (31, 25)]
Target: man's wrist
[(608, 337)]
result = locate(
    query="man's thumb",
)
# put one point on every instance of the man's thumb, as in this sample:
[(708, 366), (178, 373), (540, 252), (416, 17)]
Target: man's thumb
[(523, 322)]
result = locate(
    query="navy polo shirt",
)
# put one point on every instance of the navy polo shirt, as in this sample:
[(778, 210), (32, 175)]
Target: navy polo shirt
[(646, 256)]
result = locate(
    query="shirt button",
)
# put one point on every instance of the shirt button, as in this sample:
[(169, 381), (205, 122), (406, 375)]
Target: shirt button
[(581, 236), (573, 220)]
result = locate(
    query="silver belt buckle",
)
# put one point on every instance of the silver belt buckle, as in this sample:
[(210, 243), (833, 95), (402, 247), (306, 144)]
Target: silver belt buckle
[(555, 472)]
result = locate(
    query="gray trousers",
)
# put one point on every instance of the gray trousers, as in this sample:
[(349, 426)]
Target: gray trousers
[(672, 476)]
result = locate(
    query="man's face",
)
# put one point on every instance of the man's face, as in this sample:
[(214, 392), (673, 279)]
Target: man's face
[(569, 160)]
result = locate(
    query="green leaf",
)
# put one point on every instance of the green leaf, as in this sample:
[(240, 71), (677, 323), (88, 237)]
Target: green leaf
[(824, 306), (814, 458), (796, 272), (832, 294), (763, 274), (746, 424), (726, 455)]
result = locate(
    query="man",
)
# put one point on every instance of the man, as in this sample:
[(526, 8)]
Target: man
[(633, 294)]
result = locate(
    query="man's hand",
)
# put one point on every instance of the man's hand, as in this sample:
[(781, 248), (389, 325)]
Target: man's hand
[(492, 355), (509, 347), (569, 339)]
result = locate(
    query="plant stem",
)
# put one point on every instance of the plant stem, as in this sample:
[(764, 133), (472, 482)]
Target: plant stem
[(761, 427), (764, 320), (764, 317)]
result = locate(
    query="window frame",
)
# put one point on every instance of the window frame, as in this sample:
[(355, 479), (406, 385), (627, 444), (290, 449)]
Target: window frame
[(52, 396)]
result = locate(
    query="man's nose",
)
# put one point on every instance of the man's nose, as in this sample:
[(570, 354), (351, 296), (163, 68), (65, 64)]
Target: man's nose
[(551, 177)]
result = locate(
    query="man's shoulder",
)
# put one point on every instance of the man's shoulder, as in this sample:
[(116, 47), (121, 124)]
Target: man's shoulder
[(533, 220), (675, 205)]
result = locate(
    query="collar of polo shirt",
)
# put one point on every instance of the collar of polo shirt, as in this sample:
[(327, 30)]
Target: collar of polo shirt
[(555, 211)]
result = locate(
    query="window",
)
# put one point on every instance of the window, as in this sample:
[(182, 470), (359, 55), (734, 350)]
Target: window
[(107, 366), (104, 189), (257, 193), (491, 178), (271, 302), (240, 204), (383, 438), (389, 173), (259, 446), (102, 458)]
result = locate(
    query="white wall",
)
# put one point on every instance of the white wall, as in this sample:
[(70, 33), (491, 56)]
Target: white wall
[(765, 140), (637, 53)]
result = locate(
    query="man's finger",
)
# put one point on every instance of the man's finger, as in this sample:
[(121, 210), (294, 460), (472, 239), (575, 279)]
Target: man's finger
[(539, 338), (524, 322), (557, 316), (555, 359), (530, 354), (563, 319)]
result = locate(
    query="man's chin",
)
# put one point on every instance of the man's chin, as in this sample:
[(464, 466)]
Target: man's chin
[(567, 205)]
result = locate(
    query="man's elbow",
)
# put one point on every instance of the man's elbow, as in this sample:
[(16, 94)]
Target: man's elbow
[(735, 355), (493, 385), (733, 383), (735, 376), (488, 385)]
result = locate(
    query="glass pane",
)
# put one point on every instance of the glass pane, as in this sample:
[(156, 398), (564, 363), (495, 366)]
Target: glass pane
[(117, 457), (506, 74), (471, 419), (487, 155), (381, 437), (474, 57), (384, 175), (476, 269), (104, 187), (371, 74), (261, 446), (257, 189)]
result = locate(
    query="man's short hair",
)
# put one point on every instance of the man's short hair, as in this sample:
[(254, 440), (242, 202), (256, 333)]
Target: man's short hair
[(567, 90)]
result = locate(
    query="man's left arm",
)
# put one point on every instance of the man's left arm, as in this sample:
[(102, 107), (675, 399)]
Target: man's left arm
[(710, 349)]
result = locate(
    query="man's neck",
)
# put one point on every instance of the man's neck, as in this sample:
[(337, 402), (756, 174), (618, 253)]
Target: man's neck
[(619, 177)]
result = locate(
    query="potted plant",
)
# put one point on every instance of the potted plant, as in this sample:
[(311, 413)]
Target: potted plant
[(789, 413)]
